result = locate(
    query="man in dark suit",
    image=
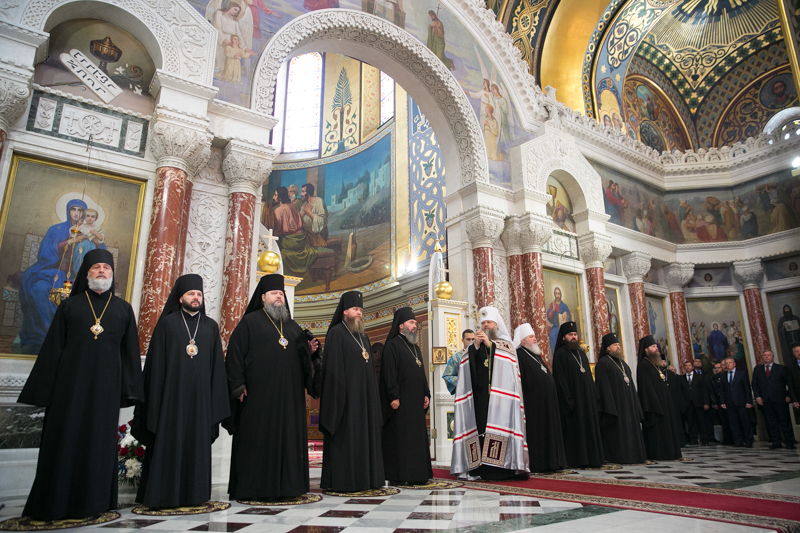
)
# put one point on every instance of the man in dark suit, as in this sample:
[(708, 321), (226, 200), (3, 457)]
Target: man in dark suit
[(794, 380), (706, 419), (716, 387), (679, 395), (699, 401), (773, 393), (736, 398)]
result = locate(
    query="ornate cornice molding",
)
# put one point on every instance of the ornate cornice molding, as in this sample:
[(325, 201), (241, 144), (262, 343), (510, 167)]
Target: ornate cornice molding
[(14, 97), (178, 141), (187, 41), (399, 46), (484, 227), (635, 265), (677, 275), (594, 249), (246, 167), (748, 273), (537, 231)]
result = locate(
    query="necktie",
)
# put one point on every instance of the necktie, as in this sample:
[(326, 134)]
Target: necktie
[(768, 368), (690, 379), (730, 376)]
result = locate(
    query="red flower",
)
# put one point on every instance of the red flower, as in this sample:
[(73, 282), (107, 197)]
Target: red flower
[(123, 428), (123, 451), (140, 451)]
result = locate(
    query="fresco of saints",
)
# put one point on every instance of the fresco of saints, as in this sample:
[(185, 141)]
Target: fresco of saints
[(314, 5), (788, 332), (297, 255), (490, 134), (557, 314), (701, 337), (233, 61), (315, 216), (227, 23), (652, 316), (436, 42), (504, 116), (615, 204), (37, 280), (717, 343)]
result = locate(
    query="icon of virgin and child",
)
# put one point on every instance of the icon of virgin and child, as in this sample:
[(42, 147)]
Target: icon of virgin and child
[(61, 252)]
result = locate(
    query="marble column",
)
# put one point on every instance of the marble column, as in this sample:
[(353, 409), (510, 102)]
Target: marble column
[(516, 280), (636, 265), (595, 249), (175, 143), (749, 274), (483, 229), (245, 167), (677, 275), (537, 230)]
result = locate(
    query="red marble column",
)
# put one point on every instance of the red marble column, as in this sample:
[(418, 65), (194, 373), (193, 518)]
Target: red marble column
[(184, 228), (236, 267), (758, 323), (680, 321), (517, 291), (483, 273), (162, 248), (534, 303), (595, 278), (641, 327)]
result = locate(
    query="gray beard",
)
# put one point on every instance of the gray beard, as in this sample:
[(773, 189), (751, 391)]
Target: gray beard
[(355, 325), (492, 333), (99, 284), (573, 345), (277, 312), (534, 348), (411, 337)]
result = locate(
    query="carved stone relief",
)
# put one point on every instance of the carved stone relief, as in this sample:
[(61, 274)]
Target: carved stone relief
[(204, 244)]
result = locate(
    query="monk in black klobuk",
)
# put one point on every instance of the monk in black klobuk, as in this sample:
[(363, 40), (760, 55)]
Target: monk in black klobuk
[(186, 397), (620, 412), (350, 415), (270, 366), (578, 400), (542, 417), (659, 427), (405, 397), (88, 367)]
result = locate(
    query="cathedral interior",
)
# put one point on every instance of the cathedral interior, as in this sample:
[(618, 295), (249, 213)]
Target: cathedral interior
[(629, 165)]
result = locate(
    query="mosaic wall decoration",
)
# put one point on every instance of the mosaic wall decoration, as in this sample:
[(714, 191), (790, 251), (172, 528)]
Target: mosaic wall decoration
[(426, 185), (752, 109), (527, 20), (651, 117)]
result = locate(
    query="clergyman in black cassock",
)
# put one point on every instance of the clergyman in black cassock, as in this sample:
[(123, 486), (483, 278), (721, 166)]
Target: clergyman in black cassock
[(270, 365), (186, 397), (620, 412), (350, 417), (88, 367), (661, 439), (578, 400), (542, 417), (405, 397)]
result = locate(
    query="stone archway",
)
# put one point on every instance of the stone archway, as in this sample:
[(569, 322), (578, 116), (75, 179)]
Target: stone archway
[(180, 41), (404, 58)]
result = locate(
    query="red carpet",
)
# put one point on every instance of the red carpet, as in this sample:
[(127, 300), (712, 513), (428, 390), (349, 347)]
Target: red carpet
[(697, 497)]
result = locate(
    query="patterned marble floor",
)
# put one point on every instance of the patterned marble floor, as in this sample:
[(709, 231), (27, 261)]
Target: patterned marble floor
[(478, 511)]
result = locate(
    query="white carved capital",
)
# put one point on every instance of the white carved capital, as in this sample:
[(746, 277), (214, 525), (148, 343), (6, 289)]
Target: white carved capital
[(537, 230), (13, 101), (677, 275), (512, 235), (178, 141), (245, 167), (636, 265), (594, 249), (484, 228), (748, 273)]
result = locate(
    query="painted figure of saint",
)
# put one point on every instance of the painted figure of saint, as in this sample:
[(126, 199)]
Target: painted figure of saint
[(436, 41), (557, 314)]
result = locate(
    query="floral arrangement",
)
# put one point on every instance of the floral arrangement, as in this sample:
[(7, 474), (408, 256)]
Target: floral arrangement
[(130, 454)]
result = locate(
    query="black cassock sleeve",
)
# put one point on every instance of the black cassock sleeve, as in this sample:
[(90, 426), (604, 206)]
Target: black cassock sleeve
[(648, 398), (145, 416), (235, 370), (311, 364), (608, 405), (334, 387), (220, 403), (389, 386), (132, 391), (561, 375), (38, 388)]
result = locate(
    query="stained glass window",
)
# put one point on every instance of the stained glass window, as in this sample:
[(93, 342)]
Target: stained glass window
[(303, 91), (387, 98)]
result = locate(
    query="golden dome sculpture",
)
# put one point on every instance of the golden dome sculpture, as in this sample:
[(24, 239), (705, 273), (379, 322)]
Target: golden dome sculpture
[(269, 262), (443, 290)]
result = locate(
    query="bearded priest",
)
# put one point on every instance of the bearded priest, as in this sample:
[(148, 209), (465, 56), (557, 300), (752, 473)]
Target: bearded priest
[(489, 440)]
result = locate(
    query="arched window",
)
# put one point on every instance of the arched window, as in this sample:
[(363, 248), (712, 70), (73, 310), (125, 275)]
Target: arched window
[(303, 92)]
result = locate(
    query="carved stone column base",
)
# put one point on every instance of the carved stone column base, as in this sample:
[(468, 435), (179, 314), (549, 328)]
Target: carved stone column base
[(758, 323), (597, 295), (517, 293), (162, 248), (641, 326), (534, 300), (236, 266), (482, 267), (683, 340)]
